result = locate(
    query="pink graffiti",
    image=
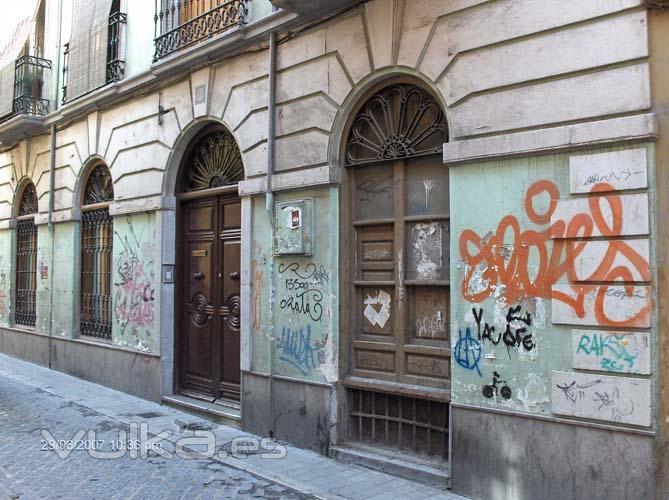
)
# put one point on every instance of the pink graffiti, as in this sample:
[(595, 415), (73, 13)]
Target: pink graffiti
[(135, 294)]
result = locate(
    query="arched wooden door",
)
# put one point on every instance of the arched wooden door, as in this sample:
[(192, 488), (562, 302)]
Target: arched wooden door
[(208, 274)]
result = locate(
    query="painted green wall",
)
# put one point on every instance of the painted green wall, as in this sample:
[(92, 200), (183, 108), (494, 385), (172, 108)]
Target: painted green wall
[(295, 296), (65, 278), (482, 196), (6, 277), (135, 283)]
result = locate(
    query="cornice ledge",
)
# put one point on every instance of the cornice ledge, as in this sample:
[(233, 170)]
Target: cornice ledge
[(627, 129)]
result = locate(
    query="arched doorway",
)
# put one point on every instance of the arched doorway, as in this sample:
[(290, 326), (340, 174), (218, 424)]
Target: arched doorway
[(208, 268), (395, 230)]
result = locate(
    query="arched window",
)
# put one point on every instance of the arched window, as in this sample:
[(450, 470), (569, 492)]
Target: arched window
[(26, 258), (97, 234), (399, 276)]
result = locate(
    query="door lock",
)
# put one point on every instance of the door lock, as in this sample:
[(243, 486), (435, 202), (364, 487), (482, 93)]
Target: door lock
[(234, 276), (198, 276)]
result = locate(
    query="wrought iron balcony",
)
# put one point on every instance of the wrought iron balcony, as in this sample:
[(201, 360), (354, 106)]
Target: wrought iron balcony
[(30, 73), (182, 23)]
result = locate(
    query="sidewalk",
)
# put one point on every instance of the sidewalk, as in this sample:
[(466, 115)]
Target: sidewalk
[(301, 470)]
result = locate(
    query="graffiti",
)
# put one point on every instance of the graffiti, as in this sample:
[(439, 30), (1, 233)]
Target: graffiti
[(574, 392), (491, 390), (374, 314), (433, 326), (43, 270), (135, 293), (614, 399), (621, 175), (304, 287), (515, 331), (296, 348), (491, 270), (611, 349), (428, 184), (370, 189), (468, 351), (258, 287), (4, 310)]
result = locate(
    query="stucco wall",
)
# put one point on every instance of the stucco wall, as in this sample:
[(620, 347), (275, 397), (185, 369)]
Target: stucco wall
[(541, 309)]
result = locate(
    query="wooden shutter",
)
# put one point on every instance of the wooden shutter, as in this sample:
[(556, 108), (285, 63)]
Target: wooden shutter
[(87, 66)]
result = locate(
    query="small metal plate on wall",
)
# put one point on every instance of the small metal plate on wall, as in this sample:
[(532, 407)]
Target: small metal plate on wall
[(168, 273), (293, 227)]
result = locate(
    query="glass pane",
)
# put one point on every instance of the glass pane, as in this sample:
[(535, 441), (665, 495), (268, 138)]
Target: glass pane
[(374, 192), (427, 186), (428, 313), (427, 251)]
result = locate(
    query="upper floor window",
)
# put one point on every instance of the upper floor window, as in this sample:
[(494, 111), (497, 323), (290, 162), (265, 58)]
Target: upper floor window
[(182, 23), (95, 55), (24, 73), (97, 233), (26, 258)]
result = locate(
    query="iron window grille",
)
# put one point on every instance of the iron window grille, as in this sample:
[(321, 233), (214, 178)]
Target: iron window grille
[(115, 60), (26, 259), (180, 24), (97, 232), (29, 78)]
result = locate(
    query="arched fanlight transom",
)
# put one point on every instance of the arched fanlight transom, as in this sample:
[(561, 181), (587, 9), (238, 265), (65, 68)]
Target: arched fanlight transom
[(28, 204), (400, 121), (215, 161), (99, 186)]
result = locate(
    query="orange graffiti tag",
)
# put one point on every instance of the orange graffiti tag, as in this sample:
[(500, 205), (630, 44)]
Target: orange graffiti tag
[(500, 261)]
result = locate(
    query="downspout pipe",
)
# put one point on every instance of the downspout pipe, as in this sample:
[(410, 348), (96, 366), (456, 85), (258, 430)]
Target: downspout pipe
[(269, 208), (52, 171)]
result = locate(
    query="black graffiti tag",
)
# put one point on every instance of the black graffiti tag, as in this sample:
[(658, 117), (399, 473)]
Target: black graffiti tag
[(515, 332)]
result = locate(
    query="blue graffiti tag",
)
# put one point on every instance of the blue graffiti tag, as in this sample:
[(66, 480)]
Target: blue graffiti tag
[(296, 348), (468, 351)]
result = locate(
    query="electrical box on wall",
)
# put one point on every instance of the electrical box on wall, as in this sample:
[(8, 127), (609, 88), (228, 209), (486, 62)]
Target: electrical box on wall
[(293, 232)]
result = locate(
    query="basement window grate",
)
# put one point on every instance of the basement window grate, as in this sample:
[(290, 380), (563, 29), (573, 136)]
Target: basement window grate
[(400, 423)]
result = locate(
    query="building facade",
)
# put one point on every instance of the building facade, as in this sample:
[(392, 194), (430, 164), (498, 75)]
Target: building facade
[(423, 235)]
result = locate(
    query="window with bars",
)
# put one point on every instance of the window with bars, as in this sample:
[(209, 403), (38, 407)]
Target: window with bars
[(97, 233), (399, 422), (26, 259)]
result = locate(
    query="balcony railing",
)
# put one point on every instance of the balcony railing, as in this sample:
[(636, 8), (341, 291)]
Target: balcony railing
[(115, 60), (182, 23), (30, 73)]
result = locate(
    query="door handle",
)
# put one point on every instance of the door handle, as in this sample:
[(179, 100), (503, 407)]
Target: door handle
[(198, 276), (234, 276)]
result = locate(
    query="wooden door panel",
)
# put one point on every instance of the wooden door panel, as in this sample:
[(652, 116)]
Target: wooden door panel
[(197, 292), (230, 266)]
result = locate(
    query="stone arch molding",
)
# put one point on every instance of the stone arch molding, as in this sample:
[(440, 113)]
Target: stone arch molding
[(180, 147)]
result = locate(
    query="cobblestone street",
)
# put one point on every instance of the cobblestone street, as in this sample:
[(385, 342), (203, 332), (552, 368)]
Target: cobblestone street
[(42, 409), (31, 470)]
